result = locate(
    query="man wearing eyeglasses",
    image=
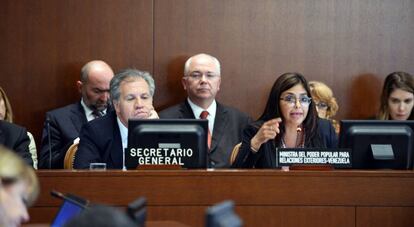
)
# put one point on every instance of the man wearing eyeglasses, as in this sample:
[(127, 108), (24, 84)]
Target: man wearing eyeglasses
[(62, 125), (201, 81)]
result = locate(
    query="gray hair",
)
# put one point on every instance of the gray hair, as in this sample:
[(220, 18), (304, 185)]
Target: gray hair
[(188, 63), (129, 74)]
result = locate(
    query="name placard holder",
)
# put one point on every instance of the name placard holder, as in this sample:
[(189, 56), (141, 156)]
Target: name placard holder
[(159, 167), (314, 158), (311, 167)]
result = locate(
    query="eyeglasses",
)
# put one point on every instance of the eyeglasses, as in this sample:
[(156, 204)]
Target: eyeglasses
[(199, 75), (292, 100), (321, 105)]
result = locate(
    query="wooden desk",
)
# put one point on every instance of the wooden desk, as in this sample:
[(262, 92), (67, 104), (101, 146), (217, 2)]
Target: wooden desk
[(263, 197)]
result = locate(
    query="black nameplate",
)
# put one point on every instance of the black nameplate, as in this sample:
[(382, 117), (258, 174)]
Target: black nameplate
[(164, 154), (338, 158)]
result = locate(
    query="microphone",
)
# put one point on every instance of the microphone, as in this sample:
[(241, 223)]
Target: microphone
[(49, 141), (71, 198), (298, 140), (123, 160)]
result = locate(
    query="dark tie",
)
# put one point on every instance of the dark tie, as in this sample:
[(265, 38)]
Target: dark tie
[(204, 115), (97, 113)]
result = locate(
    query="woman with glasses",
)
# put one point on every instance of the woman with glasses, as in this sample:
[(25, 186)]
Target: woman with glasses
[(325, 102), (397, 99), (288, 121)]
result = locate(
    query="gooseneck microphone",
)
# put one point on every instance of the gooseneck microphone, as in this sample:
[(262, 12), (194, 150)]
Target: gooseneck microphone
[(298, 136), (123, 159), (71, 198), (49, 141)]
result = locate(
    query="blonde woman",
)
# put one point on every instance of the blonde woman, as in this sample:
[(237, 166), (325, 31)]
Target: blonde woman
[(19, 188), (325, 102), (6, 114)]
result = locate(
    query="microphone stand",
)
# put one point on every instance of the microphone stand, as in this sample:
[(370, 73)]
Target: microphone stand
[(123, 160), (49, 142), (71, 198)]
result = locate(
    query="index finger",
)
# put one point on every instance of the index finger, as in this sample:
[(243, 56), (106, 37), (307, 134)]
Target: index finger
[(274, 121)]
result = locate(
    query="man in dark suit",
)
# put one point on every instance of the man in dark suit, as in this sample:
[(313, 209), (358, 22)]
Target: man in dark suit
[(15, 138), (201, 80), (104, 139), (65, 123)]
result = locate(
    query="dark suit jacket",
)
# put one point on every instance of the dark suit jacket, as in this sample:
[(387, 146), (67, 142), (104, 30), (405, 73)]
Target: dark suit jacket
[(65, 124), (228, 127), (265, 157), (100, 141), (15, 138)]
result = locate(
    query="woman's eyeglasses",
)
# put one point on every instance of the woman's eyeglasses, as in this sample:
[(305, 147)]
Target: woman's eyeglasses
[(321, 105), (292, 100)]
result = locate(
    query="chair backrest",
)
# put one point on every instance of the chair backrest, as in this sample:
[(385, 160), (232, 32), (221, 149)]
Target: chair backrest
[(70, 156), (222, 215), (137, 211), (32, 149), (234, 153)]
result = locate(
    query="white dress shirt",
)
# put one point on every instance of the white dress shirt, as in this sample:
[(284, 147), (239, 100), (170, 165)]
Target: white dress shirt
[(211, 113)]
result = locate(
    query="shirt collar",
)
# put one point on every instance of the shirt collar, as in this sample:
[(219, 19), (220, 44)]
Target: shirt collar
[(88, 111), (211, 113), (197, 110)]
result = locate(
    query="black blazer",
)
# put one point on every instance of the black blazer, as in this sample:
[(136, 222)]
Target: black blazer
[(15, 138), (100, 141), (65, 124), (228, 127), (265, 157)]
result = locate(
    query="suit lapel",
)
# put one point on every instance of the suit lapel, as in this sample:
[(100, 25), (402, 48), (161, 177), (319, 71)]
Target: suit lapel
[(220, 124), (116, 154), (78, 117), (186, 111), (116, 149)]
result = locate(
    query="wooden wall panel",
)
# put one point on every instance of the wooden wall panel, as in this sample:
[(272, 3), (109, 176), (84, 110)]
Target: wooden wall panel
[(349, 44), (45, 43)]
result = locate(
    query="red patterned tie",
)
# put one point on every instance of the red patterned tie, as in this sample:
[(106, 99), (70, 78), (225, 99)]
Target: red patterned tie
[(204, 115)]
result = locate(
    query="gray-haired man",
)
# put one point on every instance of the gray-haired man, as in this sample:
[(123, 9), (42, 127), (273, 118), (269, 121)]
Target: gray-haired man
[(201, 80), (104, 139)]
